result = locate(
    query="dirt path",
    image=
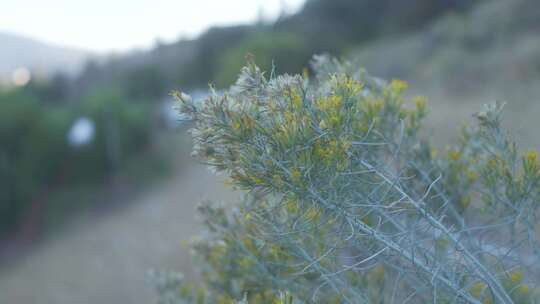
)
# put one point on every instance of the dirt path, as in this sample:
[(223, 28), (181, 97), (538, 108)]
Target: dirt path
[(105, 260)]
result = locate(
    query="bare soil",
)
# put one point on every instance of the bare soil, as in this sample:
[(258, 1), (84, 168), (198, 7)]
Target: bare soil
[(105, 258)]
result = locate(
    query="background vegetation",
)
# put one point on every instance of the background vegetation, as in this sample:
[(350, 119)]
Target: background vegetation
[(37, 158), (122, 94)]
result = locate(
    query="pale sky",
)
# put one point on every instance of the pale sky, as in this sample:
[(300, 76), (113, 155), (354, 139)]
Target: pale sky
[(120, 25)]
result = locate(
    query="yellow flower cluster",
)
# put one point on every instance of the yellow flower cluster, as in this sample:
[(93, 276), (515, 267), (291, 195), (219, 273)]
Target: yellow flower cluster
[(530, 160), (398, 85)]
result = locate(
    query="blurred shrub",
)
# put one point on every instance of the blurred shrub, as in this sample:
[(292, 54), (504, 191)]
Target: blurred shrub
[(145, 82), (285, 49), (321, 26), (35, 156), (208, 49), (123, 127), (485, 49), (346, 203), (33, 146)]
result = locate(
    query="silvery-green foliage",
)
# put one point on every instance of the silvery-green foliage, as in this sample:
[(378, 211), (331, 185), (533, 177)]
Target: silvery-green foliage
[(167, 285), (346, 203)]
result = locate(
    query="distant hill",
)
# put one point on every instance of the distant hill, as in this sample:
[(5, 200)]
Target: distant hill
[(216, 56), (42, 58), (187, 63), (492, 49)]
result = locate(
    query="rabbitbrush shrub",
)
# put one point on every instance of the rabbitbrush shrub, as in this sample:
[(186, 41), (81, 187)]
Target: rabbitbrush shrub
[(346, 203)]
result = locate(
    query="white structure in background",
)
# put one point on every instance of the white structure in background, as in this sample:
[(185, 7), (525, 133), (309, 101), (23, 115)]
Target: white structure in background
[(81, 132), (21, 76)]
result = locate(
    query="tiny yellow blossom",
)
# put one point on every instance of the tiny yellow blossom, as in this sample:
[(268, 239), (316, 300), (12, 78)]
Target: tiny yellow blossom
[(378, 273), (275, 251), (245, 263), (335, 120), (296, 99), (291, 206), (305, 73), (258, 180), (289, 117), (353, 86), (433, 152), (420, 103), (312, 214), (471, 175), (342, 165), (378, 104), (454, 155), (249, 244), (228, 182), (516, 276), (346, 144), (523, 289), (531, 159), (331, 103), (336, 101), (532, 156), (277, 180), (398, 85), (477, 289), (366, 220), (487, 301), (296, 176), (465, 202), (492, 162)]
